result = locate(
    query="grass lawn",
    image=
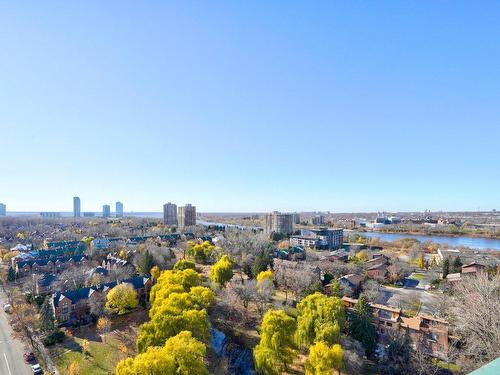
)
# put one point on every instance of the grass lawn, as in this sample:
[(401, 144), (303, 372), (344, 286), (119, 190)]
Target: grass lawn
[(418, 276), (102, 359)]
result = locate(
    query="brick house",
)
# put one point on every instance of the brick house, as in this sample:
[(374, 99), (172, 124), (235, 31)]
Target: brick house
[(423, 329), (73, 306), (46, 265), (378, 271), (350, 284)]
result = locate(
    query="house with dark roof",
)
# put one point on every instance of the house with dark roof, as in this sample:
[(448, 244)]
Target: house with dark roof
[(377, 271), (473, 268), (73, 306), (44, 284), (48, 265)]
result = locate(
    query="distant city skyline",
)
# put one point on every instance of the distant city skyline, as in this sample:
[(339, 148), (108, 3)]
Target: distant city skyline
[(239, 107)]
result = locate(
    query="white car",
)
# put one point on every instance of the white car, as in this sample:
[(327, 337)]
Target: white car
[(37, 370)]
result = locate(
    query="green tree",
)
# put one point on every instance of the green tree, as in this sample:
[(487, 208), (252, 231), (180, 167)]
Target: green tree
[(202, 253), (446, 267), (121, 299), (320, 318), (222, 271), (323, 359), (181, 355), (261, 263), (421, 261), (46, 317), (11, 274), (335, 289), (184, 264), (275, 350), (361, 326), (457, 265), (146, 262)]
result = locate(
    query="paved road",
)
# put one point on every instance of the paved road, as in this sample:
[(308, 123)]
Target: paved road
[(11, 350)]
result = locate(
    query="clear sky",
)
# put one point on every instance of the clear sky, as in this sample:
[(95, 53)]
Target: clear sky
[(250, 106)]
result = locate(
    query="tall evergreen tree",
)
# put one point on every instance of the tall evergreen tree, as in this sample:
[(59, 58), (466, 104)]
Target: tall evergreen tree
[(361, 326), (11, 275), (446, 267), (146, 263), (46, 317), (457, 265)]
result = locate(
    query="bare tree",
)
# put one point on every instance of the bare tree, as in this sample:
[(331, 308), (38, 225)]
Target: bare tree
[(474, 312), (371, 289)]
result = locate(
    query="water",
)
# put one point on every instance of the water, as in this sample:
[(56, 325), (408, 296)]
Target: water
[(240, 359), (472, 242)]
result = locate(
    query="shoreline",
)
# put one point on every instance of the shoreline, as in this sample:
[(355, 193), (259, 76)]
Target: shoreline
[(420, 233)]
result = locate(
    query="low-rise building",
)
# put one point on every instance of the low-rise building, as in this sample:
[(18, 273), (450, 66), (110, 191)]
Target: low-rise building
[(473, 268), (377, 271), (73, 306), (47, 265), (427, 331), (322, 239)]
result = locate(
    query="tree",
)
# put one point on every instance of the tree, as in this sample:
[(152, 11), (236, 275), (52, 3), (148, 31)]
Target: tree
[(11, 275), (275, 350), (265, 275), (361, 326), (146, 262), (181, 355), (262, 262), (103, 327), (446, 267), (74, 368), (320, 318), (421, 261), (457, 265), (85, 347), (335, 289), (371, 290), (202, 253), (155, 272), (474, 309), (323, 359), (222, 271), (184, 264), (46, 317), (121, 299)]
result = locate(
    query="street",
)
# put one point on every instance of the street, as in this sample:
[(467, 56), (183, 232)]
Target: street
[(11, 349)]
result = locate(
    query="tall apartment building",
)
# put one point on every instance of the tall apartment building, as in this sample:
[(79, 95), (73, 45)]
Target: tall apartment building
[(119, 209), (278, 222), (3, 209), (186, 216), (106, 210), (170, 214), (296, 218), (76, 207), (318, 220)]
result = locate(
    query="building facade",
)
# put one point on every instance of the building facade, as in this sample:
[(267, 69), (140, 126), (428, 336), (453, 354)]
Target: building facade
[(277, 222), (119, 209), (106, 210), (50, 214), (296, 218), (3, 209), (76, 207), (322, 239), (170, 214), (318, 220), (186, 216)]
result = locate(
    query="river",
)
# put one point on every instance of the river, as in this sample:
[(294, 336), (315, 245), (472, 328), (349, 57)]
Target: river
[(472, 242)]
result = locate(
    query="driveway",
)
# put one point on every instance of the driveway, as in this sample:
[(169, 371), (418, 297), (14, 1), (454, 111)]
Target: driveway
[(11, 349)]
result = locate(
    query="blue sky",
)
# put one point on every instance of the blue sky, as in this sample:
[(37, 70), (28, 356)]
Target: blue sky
[(341, 106)]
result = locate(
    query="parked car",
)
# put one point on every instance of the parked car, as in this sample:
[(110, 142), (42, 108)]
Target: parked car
[(29, 356), (7, 308), (37, 370)]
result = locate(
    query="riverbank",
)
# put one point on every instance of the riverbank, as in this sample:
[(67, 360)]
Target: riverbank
[(491, 236)]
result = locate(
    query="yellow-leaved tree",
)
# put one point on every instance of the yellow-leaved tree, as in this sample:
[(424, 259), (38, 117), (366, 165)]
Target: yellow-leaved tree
[(181, 355), (323, 359), (265, 275), (121, 299), (222, 271)]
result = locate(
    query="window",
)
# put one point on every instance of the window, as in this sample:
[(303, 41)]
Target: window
[(389, 324), (65, 308)]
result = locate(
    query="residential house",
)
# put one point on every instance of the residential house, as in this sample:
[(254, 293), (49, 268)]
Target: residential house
[(54, 265), (73, 306), (45, 283), (473, 268), (378, 271), (425, 330), (337, 256), (350, 284)]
